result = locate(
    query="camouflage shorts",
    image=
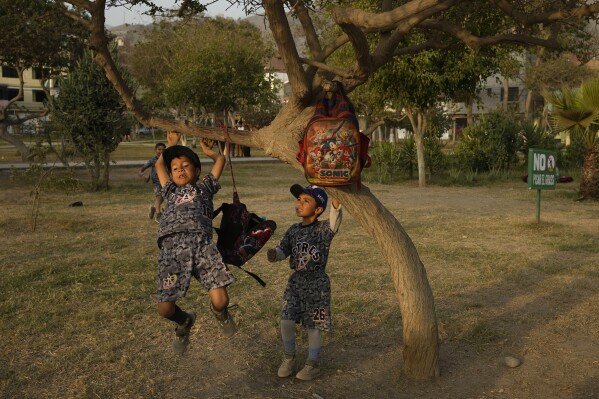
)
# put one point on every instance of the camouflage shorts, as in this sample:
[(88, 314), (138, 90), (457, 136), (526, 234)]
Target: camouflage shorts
[(307, 300), (183, 255)]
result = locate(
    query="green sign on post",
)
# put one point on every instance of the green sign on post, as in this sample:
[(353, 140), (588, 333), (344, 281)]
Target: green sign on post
[(542, 173)]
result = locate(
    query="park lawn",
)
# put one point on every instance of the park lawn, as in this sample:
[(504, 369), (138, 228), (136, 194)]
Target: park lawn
[(79, 319)]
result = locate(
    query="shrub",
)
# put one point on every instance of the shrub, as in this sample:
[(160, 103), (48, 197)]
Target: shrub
[(385, 162), (533, 136), (489, 145)]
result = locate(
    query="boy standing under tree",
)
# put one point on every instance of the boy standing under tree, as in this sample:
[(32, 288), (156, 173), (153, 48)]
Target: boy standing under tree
[(307, 298), (154, 209), (185, 238)]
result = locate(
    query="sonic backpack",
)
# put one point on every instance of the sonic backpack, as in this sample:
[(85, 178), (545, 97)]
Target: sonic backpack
[(333, 151)]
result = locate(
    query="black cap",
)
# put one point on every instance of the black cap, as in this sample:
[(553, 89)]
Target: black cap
[(178, 150)]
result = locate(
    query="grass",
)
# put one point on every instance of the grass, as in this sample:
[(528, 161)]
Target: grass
[(79, 321)]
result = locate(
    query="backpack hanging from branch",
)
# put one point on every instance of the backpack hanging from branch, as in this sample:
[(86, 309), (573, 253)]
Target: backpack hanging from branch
[(333, 152), (241, 233)]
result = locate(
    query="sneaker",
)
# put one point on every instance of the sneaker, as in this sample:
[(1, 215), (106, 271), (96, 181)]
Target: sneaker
[(226, 321), (287, 366), (309, 372), (181, 341), (152, 212)]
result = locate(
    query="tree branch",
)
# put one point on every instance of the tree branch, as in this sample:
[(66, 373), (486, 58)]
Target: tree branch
[(429, 44), (548, 16), (476, 42), (370, 129), (360, 45), (321, 65), (387, 20), (386, 48), (308, 26), (279, 26)]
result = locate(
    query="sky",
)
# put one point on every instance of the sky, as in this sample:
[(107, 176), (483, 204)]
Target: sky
[(119, 15)]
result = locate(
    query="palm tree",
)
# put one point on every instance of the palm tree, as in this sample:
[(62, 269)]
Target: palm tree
[(577, 111)]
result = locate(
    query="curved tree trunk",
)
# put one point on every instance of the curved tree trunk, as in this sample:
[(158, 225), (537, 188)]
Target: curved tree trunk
[(420, 336), (21, 147)]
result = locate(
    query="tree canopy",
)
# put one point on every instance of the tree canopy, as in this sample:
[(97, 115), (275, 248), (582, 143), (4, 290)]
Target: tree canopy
[(222, 69)]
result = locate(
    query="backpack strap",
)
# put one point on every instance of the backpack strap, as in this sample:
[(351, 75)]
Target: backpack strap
[(253, 275)]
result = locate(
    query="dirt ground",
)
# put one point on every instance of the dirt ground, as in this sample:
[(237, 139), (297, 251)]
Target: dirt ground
[(503, 285), (551, 322)]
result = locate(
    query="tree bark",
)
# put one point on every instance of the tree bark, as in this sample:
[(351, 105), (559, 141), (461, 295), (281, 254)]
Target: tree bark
[(589, 181), (420, 336), (419, 127), (469, 113), (506, 87)]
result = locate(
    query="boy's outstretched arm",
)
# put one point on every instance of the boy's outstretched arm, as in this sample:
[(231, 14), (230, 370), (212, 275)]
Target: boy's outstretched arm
[(172, 139), (336, 215), (219, 159)]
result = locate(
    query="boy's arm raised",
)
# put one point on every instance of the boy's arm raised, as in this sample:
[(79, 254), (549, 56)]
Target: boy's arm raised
[(219, 160), (172, 139)]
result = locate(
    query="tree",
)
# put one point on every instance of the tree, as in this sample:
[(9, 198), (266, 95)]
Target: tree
[(279, 139), (222, 69), (35, 34), (577, 110), (90, 113)]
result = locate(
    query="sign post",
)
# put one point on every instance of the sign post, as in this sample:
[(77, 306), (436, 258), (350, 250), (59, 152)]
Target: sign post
[(542, 173)]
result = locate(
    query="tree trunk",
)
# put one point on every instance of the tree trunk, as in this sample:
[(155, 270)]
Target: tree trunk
[(420, 336), (21, 147), (589, 182), (506, 87), (528, 105), (419, 127), (469, 113), (106, 171)]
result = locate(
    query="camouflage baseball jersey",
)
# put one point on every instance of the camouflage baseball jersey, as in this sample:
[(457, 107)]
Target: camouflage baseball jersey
[(308, 246), (189, 208)]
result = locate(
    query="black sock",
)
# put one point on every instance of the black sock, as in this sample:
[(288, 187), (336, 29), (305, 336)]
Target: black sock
[(179, 317)]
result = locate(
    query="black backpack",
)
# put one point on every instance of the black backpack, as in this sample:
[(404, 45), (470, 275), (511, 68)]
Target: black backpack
[(241, 234)]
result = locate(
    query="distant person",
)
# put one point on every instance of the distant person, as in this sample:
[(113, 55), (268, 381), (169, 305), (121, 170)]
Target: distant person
[(307, 298), (247, 148), (185, 238), (239, 148), (155, 210)]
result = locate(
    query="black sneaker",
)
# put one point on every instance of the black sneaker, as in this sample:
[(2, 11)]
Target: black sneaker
[(181, 341)]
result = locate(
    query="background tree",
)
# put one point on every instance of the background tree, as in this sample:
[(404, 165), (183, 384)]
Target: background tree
[(222, 69), (35, 34), (577, 110), (391, 22), (91, 116)]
